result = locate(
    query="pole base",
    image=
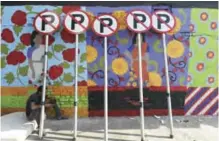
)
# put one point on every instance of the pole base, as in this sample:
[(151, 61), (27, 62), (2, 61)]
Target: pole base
[(74, 139), (171, 136), (142, 139)]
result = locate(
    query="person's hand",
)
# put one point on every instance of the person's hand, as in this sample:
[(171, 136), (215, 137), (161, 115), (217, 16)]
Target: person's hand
[(49, 105)]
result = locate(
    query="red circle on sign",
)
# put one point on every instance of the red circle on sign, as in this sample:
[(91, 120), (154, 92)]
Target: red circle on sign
[(99, 21), (148, 28), (167, 26), (38, 15), (69, 14)]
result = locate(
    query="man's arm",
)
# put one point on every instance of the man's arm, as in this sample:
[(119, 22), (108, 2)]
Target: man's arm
[(37, 106)]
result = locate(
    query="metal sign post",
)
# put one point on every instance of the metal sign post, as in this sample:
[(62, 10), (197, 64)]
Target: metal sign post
[(139, 22), (46, 22), (42, 115), (163, 22), (168, 86), (104, 26), (76, 22), (105, 89), (76, 91)]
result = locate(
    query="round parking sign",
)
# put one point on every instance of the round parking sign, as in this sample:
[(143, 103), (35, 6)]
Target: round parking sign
[(76, 22), (163, 21), (105, 25), (47, 22), (138, 21)]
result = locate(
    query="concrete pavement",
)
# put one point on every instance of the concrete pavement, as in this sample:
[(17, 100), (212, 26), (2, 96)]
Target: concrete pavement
[(196, 128)]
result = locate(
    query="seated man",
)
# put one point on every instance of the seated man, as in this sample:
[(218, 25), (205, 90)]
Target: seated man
[(33, 106)]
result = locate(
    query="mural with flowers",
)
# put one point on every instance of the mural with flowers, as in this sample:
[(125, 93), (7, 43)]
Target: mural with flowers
[(18, 54), (123, 52), (193, 80), (22, 62)]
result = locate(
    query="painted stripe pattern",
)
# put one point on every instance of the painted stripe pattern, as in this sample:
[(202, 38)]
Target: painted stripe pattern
[(201, 101)]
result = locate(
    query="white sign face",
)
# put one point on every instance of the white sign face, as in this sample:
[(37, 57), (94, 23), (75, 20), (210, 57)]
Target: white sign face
[(76, 22), (46, 22), (105, 25), (163, 21), (138, 21)]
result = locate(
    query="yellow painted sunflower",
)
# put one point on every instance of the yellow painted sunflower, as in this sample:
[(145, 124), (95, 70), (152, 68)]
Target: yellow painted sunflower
[(119, 66), (91, 82), (134, 84), (91, 54), (154, 79), (120, 15), (175, 49)]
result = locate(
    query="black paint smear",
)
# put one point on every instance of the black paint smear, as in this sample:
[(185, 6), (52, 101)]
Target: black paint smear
[(128, 99)]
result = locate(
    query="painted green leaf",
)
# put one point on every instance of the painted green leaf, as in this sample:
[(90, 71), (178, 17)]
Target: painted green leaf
[(20, 46), (65, 65), (181, 80), (181, 11), (58, 10), (28, 7), (156, 46), (50, 55), (68, 77), (90, 69), (81, 37), (154, 64), (58, 47), (4, 49), (2, 10), (57, 83), (81, 69), (83, 57), (95, 67), (23, 70), (122, 41), (101, 62), (9, 77), (3, 63), (17, 29)]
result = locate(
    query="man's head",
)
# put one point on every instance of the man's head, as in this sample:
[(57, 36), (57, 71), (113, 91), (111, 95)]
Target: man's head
[(40, 90)]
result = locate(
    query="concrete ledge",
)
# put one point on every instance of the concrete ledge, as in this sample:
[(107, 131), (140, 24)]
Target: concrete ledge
[(15, 127)]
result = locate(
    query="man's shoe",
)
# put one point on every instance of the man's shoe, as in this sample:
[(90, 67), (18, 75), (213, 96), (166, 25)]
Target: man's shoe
[(62, 118)]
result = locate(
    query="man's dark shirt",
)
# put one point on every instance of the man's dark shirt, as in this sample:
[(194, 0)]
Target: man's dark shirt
[(33, 98)]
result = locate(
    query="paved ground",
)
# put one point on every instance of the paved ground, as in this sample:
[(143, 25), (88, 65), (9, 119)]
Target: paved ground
[(128, 129)]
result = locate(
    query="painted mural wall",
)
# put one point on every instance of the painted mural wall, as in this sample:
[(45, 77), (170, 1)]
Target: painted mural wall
[(192, 61)]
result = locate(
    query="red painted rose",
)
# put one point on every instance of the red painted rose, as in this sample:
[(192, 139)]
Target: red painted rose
[(82, 83), (67, 37), (15, 57), (69, 54), (25, 39), (51, 39), (7, 35), (55, 72), (19, 18), (66, 9)]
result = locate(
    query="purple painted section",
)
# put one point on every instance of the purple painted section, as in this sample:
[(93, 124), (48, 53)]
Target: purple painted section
[(204, 103), (178, 67), (195, 98)]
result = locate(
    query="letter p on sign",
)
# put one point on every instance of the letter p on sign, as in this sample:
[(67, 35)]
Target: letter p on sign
[(163, 21), (47, 22), (76, 22)]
